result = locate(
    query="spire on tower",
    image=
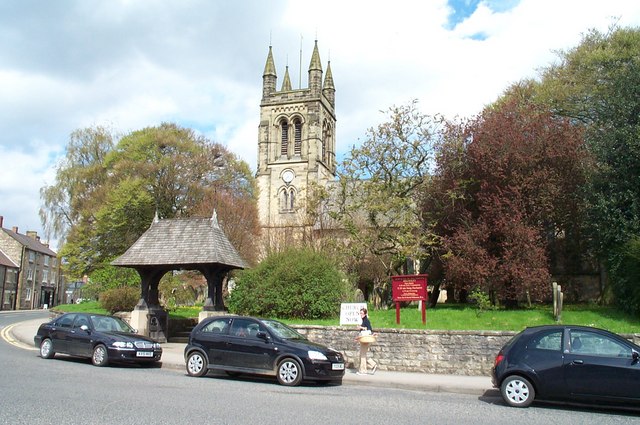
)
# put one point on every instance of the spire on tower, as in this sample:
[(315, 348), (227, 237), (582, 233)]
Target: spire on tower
[(286, 82)]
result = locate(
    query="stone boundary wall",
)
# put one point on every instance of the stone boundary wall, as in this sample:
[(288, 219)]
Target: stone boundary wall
[(423, 351)]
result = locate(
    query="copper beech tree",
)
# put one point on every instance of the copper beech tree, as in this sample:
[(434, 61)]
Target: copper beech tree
[(516, 173)]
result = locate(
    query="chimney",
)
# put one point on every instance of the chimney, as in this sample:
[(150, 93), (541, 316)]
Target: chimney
[(15, 229), (32, 234)]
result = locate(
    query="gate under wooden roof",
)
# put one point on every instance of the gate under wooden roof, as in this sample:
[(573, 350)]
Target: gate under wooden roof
[(178, 244)]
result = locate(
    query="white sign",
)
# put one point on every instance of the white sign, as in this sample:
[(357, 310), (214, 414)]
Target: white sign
[(350, 313)]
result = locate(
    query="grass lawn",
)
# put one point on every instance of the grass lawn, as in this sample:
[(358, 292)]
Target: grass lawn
[(455, 317)]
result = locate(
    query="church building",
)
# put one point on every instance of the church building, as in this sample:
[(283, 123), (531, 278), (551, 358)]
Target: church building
[(296, 148)]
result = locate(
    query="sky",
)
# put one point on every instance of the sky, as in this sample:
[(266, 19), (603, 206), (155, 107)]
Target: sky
[(131, 64)]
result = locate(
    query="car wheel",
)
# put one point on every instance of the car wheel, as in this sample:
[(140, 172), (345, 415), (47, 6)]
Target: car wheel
[(289, 372), (196, 364), (517, 391), (100, 357), (46, 349)]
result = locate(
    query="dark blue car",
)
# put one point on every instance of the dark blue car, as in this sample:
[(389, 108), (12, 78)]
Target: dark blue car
[(103, 339), (568, 363), (249, 345)]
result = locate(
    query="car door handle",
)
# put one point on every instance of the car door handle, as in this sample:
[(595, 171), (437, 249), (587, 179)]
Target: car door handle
[(577, 362)]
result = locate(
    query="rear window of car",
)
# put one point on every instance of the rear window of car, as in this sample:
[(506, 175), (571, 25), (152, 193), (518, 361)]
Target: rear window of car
[(218, 326), (547, 341)]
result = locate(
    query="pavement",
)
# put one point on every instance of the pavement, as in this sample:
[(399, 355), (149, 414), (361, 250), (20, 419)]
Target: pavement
[(21, 334)]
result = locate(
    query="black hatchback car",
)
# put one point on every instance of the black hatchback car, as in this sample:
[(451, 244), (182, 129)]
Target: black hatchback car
[(249, 345), (568, 363), (101, 338)]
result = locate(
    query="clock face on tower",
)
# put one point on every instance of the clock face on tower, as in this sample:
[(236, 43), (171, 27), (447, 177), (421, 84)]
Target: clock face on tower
[(287, 176)]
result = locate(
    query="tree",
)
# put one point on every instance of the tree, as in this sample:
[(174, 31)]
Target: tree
[(378, 193), (109, 199), (295, 283), (521, 175), (80, 178), (597, 84)]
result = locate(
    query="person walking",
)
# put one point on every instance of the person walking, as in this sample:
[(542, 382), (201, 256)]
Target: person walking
[(365, 334)]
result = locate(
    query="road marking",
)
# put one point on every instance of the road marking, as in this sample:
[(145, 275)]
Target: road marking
[(5, 333)]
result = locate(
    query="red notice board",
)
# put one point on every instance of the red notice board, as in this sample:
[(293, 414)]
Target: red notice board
[(410, 288)]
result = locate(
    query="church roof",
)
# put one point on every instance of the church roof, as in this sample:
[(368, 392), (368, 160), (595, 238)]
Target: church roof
[(182, 242)]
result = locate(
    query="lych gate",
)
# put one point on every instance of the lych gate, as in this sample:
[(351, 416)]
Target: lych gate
[(178, 244)]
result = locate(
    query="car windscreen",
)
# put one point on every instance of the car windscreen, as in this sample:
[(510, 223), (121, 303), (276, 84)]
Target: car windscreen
[(110, 324), (282, 331)]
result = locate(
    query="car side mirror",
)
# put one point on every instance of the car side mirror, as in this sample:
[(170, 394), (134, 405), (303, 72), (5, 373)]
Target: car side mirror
[(262, 335), (85, 328), (635, 355)]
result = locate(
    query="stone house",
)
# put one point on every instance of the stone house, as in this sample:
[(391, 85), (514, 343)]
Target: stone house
[(37, 282), (8, 282)]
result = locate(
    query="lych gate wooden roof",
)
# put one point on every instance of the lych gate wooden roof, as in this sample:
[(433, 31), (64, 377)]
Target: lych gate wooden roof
[(182, 242)]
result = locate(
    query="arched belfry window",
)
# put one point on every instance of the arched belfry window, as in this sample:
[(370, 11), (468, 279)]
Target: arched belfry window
[(297, 137), (287, 199), (292, 199), (284, 144)]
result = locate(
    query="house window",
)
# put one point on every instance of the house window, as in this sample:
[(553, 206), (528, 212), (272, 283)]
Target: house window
[(29, 274), (45, 276), (46, 260), (297, 141), (285, 139), (28, 296), (32, 256)]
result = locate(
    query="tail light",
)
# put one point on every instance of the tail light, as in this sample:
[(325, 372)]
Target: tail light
[(499, 358)]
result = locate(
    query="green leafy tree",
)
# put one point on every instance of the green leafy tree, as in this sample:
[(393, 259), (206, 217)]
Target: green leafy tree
[(109, 198), (597, 85), (110, 277), (80, 180), (296, 283), (378, 197)]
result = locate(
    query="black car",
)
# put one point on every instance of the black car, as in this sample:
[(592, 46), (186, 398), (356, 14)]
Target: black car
[(568, 363), (101, 338), (238, 345)]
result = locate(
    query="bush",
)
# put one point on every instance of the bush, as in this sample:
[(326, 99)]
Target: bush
[(119, 299), (625, 275), (297, 283)]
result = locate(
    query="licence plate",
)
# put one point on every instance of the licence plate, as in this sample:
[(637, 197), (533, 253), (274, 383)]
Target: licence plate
[(337, 366), (144, 354)]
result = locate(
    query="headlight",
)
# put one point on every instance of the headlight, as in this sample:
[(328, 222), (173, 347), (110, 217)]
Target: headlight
[(316, 355), (156, 346), (120, 344)]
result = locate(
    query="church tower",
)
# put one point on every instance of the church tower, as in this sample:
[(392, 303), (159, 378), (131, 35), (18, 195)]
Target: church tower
[(296, 148)]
